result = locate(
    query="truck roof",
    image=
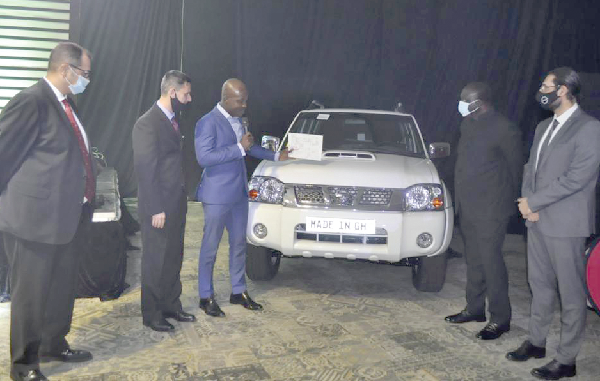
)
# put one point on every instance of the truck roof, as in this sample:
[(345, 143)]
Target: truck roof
[(354, 110)]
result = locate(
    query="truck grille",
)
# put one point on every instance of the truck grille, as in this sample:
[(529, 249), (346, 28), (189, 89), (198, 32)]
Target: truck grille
[(376, 197), (312, 195), (341, 196), (379, 238)]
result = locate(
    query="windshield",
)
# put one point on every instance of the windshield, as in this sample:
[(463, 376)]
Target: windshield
[(376, 133)]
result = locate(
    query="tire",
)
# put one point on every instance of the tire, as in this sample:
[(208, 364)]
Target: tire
[(429, 273), (262, 263)]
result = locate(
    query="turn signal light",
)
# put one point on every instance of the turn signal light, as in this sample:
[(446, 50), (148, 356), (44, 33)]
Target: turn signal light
[(437, 202), (253, 194)]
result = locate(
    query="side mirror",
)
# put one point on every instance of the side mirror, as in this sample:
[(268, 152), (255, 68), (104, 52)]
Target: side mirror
[(270, 142), (439, 150)]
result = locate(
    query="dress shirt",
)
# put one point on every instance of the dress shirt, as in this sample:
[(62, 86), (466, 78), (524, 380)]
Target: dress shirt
[(60, 96), (238, 129), (561, 121), (170, 114), (236, 125)]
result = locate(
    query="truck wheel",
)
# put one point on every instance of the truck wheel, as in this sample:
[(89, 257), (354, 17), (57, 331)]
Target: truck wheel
[(262, 263), (429, 273)]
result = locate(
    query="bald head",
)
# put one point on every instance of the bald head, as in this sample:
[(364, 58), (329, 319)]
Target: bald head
[(476, 91), (479, 97), (234, 97)]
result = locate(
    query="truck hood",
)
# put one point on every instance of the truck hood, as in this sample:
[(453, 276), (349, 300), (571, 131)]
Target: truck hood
[(361, 169)]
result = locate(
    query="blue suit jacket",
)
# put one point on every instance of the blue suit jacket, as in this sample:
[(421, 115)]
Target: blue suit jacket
[(224, 179)]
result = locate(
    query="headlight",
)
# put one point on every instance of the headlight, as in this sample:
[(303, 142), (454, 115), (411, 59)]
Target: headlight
[(266, 189), (424, 197)]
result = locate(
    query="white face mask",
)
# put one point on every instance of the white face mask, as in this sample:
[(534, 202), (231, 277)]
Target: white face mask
[(80, 85), (463, 108)]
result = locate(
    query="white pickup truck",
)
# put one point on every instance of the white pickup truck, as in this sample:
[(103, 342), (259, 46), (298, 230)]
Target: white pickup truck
[(375, 195)]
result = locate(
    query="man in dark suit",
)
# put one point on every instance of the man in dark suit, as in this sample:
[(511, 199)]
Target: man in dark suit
[(558, 202), (221, 144), (487, 176), (47, 187), (162, 202)]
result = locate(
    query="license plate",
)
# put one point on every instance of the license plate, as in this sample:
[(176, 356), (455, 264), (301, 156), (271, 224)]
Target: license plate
[(339, 225)]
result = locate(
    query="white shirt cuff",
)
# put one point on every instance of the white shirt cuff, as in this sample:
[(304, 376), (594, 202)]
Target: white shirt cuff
[(242, 149), (277, 156)]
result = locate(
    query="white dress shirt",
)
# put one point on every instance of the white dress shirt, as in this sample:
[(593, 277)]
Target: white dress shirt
[(561, 121), (60, 96), (237, 127), (239, 130)]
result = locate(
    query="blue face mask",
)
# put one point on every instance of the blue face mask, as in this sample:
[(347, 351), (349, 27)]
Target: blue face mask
[(463, 108), (79, 86)]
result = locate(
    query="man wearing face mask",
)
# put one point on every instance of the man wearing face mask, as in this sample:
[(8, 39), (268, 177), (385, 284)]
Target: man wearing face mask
[(487, 176), (47, 187), (558, 202), (162, 202), (221, 144)]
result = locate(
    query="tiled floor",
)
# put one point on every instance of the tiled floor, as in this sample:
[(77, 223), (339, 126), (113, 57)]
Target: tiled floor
[(323, 320)]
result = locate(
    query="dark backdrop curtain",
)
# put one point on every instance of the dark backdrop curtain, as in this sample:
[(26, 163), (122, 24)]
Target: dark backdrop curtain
[(374, 53), (133, 43), (345, 53)]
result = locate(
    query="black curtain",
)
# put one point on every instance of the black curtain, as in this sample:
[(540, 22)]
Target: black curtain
[(133, 43), (345, 53)]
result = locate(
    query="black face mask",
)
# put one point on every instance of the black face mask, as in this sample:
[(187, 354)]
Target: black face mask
[(177, 106), (546, 100)]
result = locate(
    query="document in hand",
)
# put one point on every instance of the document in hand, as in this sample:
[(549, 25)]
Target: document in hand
[(305, 146)]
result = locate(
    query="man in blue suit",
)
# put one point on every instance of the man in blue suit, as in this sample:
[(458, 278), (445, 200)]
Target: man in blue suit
[(221, 145)]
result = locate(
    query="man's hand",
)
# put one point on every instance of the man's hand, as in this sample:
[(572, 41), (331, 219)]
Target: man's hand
[(524, 207), (247, 141), (533, 217), (284, 154), (158, 220)]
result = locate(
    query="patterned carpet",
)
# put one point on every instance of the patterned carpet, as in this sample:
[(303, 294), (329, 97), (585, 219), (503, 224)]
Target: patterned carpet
[(324, 320)]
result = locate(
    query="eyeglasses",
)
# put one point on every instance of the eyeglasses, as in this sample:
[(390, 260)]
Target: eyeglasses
[(86, 73), (543, 86)]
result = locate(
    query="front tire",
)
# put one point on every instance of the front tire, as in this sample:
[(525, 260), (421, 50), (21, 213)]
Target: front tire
[(262, 263), (429, 273)]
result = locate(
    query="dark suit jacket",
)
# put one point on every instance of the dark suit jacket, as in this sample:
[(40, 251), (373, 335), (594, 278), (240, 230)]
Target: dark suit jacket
[(158, 163), (488, 166), (42, 173), (224, 179), (562, 188)]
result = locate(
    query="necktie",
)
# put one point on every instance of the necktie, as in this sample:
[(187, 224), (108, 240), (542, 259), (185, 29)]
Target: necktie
[(175, 124), (90, 184), (546, 142)]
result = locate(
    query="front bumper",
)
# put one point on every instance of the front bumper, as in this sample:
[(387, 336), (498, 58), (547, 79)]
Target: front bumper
[(400, 230)]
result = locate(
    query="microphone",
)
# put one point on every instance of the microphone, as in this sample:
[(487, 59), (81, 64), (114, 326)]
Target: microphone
[(245, 124)]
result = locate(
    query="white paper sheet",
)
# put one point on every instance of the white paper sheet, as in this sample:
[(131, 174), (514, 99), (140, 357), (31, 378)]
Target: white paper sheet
[(305, 146)]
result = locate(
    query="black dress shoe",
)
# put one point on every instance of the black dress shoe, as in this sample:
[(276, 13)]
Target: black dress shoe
[(160, 325), (210, 307), (554, 371), (464, 317), (492, 331), (526, 351), (180, 316), (68, 355), (30, 375), (245, 300)]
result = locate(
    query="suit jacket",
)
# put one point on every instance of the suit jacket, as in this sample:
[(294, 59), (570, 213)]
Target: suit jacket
[(488, 167), (42, 175), (562, 188), (224, 179), (158, 163)]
